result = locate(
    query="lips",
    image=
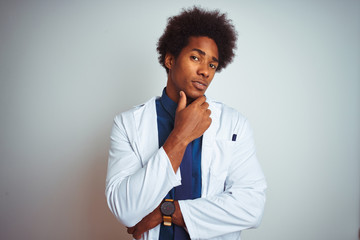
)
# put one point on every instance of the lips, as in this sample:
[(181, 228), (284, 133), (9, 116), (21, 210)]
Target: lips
[(200, 85)]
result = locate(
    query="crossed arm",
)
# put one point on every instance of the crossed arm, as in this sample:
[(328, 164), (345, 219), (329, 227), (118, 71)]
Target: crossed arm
[(241, 202), (154, 219), (190, 123)]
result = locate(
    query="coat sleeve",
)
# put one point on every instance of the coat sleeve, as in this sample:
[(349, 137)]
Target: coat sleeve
[(134, 189), (240, 205)]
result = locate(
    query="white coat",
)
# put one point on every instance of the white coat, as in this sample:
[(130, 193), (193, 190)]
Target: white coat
[(140, 174)]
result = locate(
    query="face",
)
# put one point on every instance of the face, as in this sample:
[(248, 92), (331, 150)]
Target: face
[(193, 70)]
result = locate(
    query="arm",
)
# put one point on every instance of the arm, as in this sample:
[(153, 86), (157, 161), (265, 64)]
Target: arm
[(154, 219), (128, 180), (190, 123), (240, 205), (130, 186)]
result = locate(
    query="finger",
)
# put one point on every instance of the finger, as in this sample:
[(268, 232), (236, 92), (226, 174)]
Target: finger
[(199, 100), (182, 101), (137, 235), (130, 230), (140, 229), (205, 105)]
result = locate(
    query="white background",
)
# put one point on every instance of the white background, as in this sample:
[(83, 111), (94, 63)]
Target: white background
[(68, 67)]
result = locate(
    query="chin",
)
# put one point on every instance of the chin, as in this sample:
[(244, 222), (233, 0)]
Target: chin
[(192, 96)]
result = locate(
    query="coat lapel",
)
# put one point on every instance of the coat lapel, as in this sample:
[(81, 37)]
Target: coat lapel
[(147, 132)]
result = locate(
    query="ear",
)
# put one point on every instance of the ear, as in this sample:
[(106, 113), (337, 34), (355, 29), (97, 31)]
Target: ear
[(169, 60)]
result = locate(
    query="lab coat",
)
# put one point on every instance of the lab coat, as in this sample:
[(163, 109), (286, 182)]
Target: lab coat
[(140, 174)]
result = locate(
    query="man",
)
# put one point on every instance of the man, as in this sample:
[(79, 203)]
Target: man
[(181, 165)]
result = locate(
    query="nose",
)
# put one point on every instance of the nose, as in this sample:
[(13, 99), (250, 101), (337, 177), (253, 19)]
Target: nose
[(203, 70)]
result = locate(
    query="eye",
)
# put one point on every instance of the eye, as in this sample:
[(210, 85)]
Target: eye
[(213, 66), (195, 58)]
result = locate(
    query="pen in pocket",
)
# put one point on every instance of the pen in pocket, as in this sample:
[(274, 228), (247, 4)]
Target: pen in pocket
[(234, 137)]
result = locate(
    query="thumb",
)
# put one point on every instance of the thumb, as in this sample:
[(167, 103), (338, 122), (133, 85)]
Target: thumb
[(182, 102)]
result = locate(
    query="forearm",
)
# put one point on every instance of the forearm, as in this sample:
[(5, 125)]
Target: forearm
[(190, 123), (177, 217), (131, 197), (224, 213), (153, 219), (175, 147)]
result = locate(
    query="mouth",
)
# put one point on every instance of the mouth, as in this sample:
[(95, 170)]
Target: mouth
[(199, 85)]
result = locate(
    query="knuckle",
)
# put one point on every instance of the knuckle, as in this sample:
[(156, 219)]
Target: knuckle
[(201, 99)]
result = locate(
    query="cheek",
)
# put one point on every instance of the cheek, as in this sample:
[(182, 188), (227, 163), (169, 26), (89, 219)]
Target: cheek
[(184, 71), (189, 69)]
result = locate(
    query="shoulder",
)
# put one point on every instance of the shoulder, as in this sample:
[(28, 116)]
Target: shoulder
[(136, 110), (225, 111), (228, 119), (128, 121)]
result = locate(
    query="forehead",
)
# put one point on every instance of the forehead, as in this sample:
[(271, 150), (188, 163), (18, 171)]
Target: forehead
[(205, 44)]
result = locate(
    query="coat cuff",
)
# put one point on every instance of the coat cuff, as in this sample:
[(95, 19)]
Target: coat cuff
[(185, 211), (175, 178)]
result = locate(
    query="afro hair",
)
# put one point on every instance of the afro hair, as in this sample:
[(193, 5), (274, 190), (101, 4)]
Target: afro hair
[(196, 22)]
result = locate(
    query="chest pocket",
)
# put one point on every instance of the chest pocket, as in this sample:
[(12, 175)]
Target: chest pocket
[(220, 161)]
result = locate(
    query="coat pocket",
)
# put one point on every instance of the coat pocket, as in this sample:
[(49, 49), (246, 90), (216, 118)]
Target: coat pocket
[(219, 166), (216, 183)]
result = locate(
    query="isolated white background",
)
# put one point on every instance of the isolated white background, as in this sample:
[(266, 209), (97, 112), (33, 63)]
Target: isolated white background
[(68, 67)]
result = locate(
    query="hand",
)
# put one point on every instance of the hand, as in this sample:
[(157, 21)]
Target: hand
[(190, 123), (154, 219), (149, 222), (193, 120)]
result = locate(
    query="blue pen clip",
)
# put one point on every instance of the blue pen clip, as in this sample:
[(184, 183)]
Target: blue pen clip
[(234, 137)]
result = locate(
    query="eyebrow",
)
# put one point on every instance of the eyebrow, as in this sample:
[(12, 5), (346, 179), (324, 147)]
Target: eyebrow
[(203, 53)]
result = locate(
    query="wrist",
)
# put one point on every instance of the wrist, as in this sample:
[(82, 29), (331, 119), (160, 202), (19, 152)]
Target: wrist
[(158, 215), (177, 216), (167, 208), (176, 139)]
